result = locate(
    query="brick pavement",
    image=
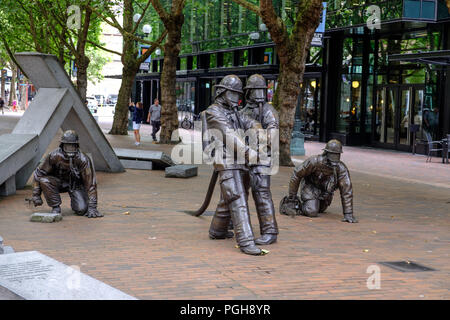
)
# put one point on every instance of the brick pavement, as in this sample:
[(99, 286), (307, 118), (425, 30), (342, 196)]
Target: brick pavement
[(158, 252)]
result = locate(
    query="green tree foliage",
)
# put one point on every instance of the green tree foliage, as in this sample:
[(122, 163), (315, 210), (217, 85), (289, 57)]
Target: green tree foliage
[(291, 28), (109, 12), (41, 25)]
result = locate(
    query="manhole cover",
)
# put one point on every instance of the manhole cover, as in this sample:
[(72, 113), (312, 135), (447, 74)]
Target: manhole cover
[(406, 266)]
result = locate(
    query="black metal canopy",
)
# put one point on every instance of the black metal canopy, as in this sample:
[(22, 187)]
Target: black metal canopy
[(441, 57)]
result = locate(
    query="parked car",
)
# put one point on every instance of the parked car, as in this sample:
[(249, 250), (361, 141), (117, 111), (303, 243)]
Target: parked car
[(100, 99), (111, 99), (92, 104)]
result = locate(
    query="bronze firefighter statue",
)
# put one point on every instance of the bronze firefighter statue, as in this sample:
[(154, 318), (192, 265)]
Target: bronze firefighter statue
[(223, 117), (67, 169), (257, 108), (319, 176)]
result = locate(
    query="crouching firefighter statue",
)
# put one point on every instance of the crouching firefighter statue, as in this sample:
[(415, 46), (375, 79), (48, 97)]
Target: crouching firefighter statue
[(223, 117), (319, 176), (258, 109), (67, 169)]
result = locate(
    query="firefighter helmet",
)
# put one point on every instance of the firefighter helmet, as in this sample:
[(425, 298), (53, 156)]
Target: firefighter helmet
[(230, 82), (256, 81), (333, 146), (69, 136)]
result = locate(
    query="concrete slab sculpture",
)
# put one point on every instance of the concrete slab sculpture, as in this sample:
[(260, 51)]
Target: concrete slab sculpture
[(57, 104), (32, 275), (143, 159)]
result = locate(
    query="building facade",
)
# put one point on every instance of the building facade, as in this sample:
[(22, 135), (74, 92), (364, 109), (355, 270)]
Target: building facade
[(385, 83), (364, 86)]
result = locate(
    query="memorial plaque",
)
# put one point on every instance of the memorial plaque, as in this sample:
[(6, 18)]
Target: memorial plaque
[(35, 276)]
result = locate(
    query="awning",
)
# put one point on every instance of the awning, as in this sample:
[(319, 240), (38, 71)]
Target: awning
[(441, 57)]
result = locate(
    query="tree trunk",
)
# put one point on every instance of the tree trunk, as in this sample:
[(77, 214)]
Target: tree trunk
[(12, 87), (285, 98), (82, 65), (129, 70), (292, 67), (120, 123), (2, 84), (169, 111), (292, 50)]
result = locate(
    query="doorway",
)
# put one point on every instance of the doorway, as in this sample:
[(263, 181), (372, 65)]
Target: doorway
[(397, 107), (308, 107)]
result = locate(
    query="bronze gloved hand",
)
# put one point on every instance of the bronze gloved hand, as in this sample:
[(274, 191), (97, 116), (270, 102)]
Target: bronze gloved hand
[(348, 217), (290, 205), (37, 200), (93, 213)]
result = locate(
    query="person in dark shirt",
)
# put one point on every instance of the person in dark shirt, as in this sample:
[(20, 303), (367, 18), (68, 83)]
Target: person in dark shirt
[(154, 117), (2, 104), (138, 114)]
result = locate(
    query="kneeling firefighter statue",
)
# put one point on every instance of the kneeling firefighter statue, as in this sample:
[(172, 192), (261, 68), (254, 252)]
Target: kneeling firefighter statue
[(320, 176), (67, 169)]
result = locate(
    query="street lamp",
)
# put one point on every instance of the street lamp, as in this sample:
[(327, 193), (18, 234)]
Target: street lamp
[(136, 17), (147, 29), (158, 52), (254, 35)]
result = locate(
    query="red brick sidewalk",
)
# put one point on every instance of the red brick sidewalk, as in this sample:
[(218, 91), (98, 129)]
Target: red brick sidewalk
[(158, 252)]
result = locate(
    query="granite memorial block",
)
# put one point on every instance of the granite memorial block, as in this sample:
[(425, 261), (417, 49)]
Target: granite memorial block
[(45, 217), (181, 171), (158, 158), (35, 276)]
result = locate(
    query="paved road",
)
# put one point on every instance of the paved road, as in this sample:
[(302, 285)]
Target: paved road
[(158, 252)]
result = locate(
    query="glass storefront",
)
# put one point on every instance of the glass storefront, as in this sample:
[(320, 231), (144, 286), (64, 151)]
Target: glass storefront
[(406, 92), (349, 109), (379, 98), (185, 91), (308, 109)]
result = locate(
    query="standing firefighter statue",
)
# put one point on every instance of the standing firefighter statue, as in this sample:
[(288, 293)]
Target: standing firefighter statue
[(223, 118), (67, 169), (258, 109), (319, 176)]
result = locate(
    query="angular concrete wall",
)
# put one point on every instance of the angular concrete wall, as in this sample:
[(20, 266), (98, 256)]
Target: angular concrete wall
[(56, 105)]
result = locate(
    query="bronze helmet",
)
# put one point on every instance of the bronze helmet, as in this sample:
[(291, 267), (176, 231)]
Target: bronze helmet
[(229, 82), (333, 146), (256, 81), (69, 143), (69, 136)]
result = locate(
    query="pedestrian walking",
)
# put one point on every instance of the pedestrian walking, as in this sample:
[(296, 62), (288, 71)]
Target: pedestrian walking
[(2, 104), (138, 114), (154, 117)]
